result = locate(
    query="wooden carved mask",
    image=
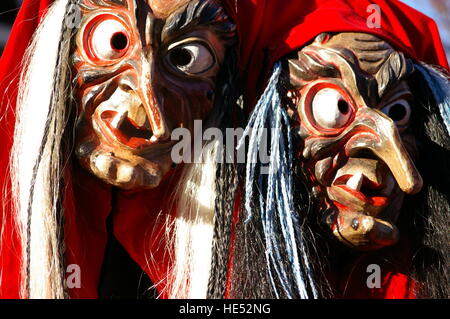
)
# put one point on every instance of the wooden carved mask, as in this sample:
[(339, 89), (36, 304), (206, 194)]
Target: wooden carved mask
[(352, 107), (142, 69)]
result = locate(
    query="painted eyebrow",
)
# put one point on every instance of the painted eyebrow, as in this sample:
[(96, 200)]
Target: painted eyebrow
[(199, 13), (306, 67), (104, 3)]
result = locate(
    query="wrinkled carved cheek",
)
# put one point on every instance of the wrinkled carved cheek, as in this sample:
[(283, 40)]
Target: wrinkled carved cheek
[(308, 166), (321, 166), (410, 144), (182, 107), (86, 102), (85, 138)]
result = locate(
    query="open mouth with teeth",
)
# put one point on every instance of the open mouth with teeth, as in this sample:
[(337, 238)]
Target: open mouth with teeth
[(123, 142), (126, 124), (358, 193), (126, 130), (360, 189), (363, 193), (362, 185)]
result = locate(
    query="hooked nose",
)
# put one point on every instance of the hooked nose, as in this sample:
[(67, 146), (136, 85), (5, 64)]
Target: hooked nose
[(142, 83), (381, 137)]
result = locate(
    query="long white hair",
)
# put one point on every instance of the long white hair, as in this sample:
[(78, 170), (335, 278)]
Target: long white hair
[(204, 200), (191, 234), (36, 165)]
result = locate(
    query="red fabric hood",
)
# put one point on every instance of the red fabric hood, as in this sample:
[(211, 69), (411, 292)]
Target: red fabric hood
[(268, 29)]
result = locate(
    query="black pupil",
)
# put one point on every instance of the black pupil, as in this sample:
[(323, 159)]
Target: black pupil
[(343, 107), (180, 57), (397, 112), (119, 41)]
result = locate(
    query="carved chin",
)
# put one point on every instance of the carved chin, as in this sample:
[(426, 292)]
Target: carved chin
[(129, 172)]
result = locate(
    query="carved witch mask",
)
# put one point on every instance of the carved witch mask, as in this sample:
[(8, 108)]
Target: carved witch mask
[(352, 107), (142, 69)]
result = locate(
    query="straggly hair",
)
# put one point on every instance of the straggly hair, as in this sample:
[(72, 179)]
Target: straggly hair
[(191, 234), (424, 220), (40, 153), (429, 224), (204, 198), (226, 180), (269, 198)]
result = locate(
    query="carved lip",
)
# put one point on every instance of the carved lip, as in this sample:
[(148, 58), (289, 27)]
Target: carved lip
[(358, 193), (363, 182), (124, 129)]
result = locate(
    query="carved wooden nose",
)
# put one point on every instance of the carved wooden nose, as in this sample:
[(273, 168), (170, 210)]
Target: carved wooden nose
[(152, 103), (383, 140)]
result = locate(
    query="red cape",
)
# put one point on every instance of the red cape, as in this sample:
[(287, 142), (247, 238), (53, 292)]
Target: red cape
[(268, 29)]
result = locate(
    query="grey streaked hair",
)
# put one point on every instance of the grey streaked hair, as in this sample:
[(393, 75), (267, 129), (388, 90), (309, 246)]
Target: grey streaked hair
[(37, 162)]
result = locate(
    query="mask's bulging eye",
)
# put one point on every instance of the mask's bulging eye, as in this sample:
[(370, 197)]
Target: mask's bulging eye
[(399, 112), (191, 58), (108, 39), (119, 41), (330, 109)]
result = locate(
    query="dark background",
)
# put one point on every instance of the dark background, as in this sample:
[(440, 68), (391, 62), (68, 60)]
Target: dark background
[(8, 11)]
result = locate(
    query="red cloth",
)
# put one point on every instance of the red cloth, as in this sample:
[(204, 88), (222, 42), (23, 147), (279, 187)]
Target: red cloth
[(268, 29), (353, 278), (137, 225)]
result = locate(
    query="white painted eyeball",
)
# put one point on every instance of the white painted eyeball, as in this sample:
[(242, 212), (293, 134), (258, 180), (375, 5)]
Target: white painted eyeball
[(191, 58), (109, 40), (399, 112), (330, 109)]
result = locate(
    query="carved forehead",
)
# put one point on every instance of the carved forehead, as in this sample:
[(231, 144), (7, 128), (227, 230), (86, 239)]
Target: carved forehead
[(163, 8), (160, 8), (364, 61), (370, 51), (175, 13)]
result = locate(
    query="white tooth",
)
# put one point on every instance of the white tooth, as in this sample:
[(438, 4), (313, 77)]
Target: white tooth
[(124, 173), (103, 163), (137, 113), (118, 119), (355, 181)]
